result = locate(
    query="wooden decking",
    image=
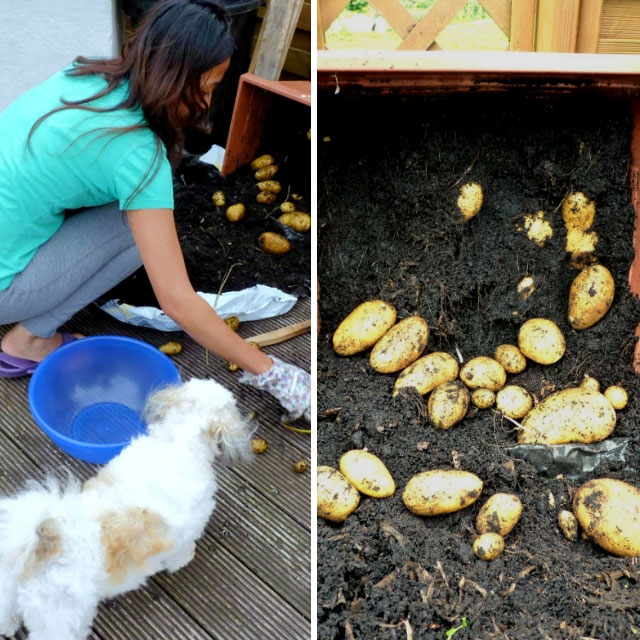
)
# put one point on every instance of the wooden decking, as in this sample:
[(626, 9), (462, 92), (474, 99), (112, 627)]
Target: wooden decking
[(250, 578)]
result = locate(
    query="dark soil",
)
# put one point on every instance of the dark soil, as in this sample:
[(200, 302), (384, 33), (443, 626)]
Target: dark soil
[(389, 229), (212, 246)]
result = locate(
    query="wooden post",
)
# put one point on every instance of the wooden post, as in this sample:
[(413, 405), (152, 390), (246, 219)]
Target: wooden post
[(321, 42), (275, 37), (589, 26), (523, 20), (557, 28)]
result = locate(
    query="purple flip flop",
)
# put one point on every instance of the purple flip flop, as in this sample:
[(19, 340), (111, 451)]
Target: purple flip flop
[(13, 367)]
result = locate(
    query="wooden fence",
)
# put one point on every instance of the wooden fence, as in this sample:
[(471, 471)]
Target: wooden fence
[(582, 26)]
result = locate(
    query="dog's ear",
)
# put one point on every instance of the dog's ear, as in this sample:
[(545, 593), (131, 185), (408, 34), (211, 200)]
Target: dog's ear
[(230, 433), (161, 402)]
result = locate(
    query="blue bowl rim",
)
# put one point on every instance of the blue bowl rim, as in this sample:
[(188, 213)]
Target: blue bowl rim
[(55, 435)]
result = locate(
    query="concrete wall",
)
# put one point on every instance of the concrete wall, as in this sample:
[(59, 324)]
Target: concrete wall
[(40, 37)]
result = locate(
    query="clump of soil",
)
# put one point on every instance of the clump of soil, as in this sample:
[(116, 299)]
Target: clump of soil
[(215, 248), (389, 228)]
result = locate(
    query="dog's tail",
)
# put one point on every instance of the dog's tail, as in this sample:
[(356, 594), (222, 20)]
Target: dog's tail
[(231, 432), (30, 533)]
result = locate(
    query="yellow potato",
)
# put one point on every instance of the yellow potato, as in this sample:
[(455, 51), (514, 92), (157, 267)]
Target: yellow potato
[(483, 398), (428, 372), (591, 384), (568, 525), (259, 445), (514, 401), (265, 173), (572, 415), (363, 327), (271, 186), (219, 199), (235, 212), (511, 358), (287, 207), (541, 340), (400, 346), (488, 546), (297, 220), (538, 229), (470, 200), (301, 466), (483, 373), (262, 161), (448, 404), (590, 296), (337, 498), (232, 322), (367, 473), (578, 211), (609, 513), (499, 514), (266, 197), (171, 348), (273, 242), (432, 493), (526, 287), (617, 396)]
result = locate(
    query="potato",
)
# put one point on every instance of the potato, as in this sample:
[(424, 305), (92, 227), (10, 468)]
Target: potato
[(300, 466), (511, 358), (538, 229), (337, 498), (235, 212), (617, 396), (590, 296), (609, 513), (448, 404), (219, 199), (262, 161), (271, 186), (526, 287), (488, 546), (428, 372), (432, 493), (297, 220), (287, 207), (591, 384), (265, 173), (265, 197), (232, 322), (367, 473), (578, 212), (572, 415), (400, 346), (470, 200), (363, 327), (483, 398), (171, 348), (499, 514), (273, 242), (568, 525), (259, 445), (541, 340), (483, 373), (514, 401)]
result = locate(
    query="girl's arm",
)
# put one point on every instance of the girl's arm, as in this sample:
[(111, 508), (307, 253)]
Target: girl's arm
[(155, 235)]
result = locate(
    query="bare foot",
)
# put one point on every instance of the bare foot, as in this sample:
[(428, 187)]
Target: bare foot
[(21, 343)]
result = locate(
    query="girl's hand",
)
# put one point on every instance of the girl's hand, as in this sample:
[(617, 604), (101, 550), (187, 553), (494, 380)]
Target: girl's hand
[(288, 384)]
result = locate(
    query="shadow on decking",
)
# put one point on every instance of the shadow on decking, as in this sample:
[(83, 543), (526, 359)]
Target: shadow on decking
[(250, 577)]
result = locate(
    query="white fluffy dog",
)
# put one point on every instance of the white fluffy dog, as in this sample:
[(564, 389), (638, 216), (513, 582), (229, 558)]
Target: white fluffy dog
[(62, 551)]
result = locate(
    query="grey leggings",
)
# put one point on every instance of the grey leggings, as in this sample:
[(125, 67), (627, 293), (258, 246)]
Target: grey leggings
[(91, 252)]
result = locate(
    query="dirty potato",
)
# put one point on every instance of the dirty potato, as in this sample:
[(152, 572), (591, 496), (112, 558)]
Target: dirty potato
[(232, 322), (219, 199), (266, 197), (432, 493), (265, 173), (171, 348), (296, 220), (470, 200), (541, 340), (483, 372), (511, 358), (568, 525), (578, 212), (262, 161), (235, 212), (483, 398), (259, 445), (617, 396), (589, 383), (572, 415), (514, 401), (337, 498), (272, 242), (363, 327), (609, 513), (400, 346), (448, 404), (428, 372), (499, 514), (488, 546), (367, 473), (590, 296), (526, 287), (287, 207), (270, 186)]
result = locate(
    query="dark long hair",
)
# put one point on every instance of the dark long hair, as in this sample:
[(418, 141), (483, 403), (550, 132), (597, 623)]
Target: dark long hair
[(164, 59)]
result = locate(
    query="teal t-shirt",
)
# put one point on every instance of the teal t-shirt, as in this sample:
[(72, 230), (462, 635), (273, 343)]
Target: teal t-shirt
[(64, 169)]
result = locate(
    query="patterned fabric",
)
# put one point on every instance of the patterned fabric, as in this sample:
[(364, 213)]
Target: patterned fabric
[(290, 385)]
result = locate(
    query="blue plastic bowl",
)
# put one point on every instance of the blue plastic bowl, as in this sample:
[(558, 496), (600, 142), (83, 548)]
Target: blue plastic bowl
[(89, 395)]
